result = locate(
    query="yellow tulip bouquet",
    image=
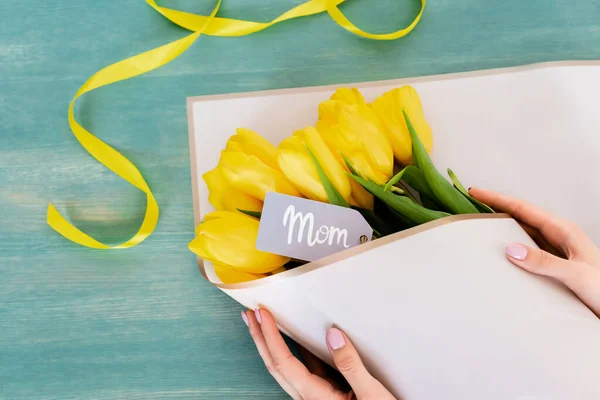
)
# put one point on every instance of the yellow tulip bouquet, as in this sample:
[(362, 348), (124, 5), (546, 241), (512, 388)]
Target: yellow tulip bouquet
[(371, 157)]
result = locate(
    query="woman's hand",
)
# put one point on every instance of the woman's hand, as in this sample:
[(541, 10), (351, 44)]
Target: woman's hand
[(304, 384), (579, 270), (572, 258)]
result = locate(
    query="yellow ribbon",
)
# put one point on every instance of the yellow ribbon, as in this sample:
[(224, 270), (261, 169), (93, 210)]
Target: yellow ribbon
[(153, 59)]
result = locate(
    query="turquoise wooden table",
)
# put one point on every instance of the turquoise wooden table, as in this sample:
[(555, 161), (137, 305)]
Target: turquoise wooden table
[(142, 323)]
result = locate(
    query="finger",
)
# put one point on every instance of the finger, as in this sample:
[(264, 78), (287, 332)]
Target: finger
[(319, 368), (348, 362), (263, 350), (540, 241), (581, 278), (309, 386), (559, 232), (539, 261), (312, 363)]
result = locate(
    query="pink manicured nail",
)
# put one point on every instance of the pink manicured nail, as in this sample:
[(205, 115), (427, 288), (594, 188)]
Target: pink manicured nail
[(516, 251), (335, 339), (257, 313), (245, 318)]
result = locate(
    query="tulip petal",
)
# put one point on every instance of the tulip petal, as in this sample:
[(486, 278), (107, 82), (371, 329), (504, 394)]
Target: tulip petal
[(349, 126), (360, 197), (333, 196), (328, 111), (224, 197), (297, 166), (388, 108), (326, 158), (361, 124), (249, 142), (348, 96), (229, 238), (229, 275), (278, 271), (250, 175), (225, 214), (365, 168)]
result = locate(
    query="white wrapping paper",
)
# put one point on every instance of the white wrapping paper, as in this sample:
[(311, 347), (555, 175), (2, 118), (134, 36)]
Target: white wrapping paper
[(438, 312)]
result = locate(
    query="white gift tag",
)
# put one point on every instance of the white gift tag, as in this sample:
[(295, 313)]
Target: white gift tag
[(308, 230)]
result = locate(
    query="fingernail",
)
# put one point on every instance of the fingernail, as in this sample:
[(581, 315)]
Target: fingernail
[(257, 313), (516, 251), (245, 318), (335, 339)]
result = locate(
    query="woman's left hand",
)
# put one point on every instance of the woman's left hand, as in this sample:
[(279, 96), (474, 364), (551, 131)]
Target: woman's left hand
[(304, 384)]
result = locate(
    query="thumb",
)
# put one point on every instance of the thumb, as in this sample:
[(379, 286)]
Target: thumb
[(583, 279), (541, 262), (349, 364)]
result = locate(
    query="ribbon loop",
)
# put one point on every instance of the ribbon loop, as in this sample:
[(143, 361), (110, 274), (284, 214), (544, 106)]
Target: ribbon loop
[(335, 14), (111, 158), (155, 58)]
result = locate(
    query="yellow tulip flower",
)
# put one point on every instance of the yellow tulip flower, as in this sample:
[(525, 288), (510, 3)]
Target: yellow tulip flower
[(249, 165), (249, 142), (296, 163), (360, 197), (348, 96), (388, 108), (278, 271), (225, 197), (350, 127), (230, 275), (229, 239), (248, 174)]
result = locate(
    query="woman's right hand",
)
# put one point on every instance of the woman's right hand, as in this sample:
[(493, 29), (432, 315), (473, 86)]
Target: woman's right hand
[(312, 381), (579, 271)]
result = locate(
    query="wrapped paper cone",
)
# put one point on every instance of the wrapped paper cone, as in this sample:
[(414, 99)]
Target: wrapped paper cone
[(438, 312)]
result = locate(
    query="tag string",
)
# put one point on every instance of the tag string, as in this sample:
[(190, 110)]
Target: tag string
[(150, 60)]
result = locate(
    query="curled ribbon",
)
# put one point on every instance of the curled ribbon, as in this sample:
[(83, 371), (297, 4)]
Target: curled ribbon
[(155, 58)]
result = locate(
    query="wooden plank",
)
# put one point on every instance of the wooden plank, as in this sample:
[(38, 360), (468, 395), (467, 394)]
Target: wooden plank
[(142, 323)]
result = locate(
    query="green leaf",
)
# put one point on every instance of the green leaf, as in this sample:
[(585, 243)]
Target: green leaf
[(397, 180), (333, 195), (349, 165), (396, 222), (444, 192), (431, 204), (481, 206), (400, 204), (255, 214), (381, 227), (414, 178), (410, 192), (406, 223), (394, 179)]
